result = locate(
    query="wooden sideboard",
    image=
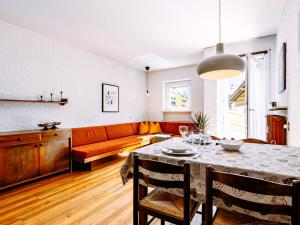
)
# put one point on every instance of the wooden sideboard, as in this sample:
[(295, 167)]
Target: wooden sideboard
[(29, 155), (276, 131)]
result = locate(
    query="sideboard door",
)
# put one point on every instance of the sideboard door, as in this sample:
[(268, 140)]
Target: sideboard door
[(54, 156), (18, 163), (276, 130)]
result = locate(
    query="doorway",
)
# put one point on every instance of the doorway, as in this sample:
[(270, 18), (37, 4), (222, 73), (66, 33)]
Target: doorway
[(243, 100)]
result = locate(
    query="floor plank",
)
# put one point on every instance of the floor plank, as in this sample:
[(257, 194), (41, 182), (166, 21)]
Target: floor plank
[(80, 198)]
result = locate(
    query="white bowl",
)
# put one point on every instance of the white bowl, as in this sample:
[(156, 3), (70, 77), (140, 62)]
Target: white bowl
[(231, 145)]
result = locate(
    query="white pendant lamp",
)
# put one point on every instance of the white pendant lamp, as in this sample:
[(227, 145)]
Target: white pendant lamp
[(221, 65)]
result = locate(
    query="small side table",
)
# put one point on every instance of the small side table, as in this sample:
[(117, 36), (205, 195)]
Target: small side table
[(160, 137)]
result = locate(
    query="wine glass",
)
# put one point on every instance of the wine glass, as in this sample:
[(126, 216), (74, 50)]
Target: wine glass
[(183, 131), (205, 138)]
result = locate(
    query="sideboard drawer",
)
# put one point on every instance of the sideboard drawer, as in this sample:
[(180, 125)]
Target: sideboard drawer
[(51, 135), (19, 139)]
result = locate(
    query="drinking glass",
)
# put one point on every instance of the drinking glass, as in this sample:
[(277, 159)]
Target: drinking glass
[(195, 136), (183, 131), (205, 138)]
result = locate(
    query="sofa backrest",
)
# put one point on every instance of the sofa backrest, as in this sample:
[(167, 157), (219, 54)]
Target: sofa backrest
[(136, 128), (88, 135), (172, 127), (119, 131)]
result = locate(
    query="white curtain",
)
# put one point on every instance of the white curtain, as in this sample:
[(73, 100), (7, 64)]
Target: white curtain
[(258, 95)]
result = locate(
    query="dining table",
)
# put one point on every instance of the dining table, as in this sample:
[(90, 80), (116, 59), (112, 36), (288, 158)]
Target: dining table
[(275, 163)]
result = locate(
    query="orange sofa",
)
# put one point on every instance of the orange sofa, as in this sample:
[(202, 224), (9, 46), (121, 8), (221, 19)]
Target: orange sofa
[(92, 143)]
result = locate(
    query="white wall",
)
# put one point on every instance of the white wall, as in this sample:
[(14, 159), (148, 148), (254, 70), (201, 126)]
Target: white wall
[(288, 32), (32, 64), (211, 90), (155, 99), (205, 93)]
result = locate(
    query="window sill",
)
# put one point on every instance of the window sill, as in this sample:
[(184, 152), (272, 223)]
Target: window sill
[(178, 111)]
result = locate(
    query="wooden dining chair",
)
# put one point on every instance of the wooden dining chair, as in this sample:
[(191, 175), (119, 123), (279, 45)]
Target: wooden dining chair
[(215, 138), (254, 140), (160, 204), (251, 185)]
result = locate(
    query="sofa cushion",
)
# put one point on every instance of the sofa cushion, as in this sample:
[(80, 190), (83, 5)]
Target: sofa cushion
[(135, 127), (119, 131), (88, 135), (144, 128), (154, 128), (95, 149)]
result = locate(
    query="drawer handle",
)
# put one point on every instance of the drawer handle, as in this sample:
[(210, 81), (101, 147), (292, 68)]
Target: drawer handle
[(19, 139), (55, 134)]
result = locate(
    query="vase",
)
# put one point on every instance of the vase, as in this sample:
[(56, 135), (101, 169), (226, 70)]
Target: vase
[(202, 131)]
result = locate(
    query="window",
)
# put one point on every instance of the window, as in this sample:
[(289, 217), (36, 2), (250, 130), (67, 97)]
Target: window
[(177, 95)]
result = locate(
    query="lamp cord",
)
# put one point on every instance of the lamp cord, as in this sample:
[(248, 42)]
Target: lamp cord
[(220, 21)]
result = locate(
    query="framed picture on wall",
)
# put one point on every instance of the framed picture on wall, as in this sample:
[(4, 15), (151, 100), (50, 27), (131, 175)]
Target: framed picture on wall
[(110, 98), (282, 69)]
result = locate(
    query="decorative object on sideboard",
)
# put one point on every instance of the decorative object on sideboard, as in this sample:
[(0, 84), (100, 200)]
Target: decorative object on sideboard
[(282, 69), (201, 120), (49, 125), (61, 101), (273, 104), (110, 98)]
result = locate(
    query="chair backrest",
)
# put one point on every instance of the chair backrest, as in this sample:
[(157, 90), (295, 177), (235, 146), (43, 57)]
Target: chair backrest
[(162, 168), (254, 140), (252, 185), (215, 138)]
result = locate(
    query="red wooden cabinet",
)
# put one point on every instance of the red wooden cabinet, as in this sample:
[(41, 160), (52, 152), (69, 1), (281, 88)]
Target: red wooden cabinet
[(276, 130)]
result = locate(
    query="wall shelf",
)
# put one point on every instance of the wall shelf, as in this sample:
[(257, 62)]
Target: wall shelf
[(35, 101)]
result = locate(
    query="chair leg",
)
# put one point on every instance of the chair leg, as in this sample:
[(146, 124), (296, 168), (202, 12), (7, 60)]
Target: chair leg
[(162, 222), (203, 214), (142, 218), (135, 217)]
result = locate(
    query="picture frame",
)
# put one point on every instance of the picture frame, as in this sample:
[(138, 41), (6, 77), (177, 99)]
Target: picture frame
[(282, 69), (110, 98)]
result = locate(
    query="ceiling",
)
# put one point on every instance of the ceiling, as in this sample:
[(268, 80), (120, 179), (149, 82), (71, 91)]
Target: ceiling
[(159, 33)]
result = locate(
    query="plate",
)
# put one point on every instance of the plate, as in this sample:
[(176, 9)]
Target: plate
[(178, 147), (190, 151)]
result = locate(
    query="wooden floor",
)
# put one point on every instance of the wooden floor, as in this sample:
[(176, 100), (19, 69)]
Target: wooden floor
[(82, 197)]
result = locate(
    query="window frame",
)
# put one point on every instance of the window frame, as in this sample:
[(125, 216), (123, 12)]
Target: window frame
[(167, 85)]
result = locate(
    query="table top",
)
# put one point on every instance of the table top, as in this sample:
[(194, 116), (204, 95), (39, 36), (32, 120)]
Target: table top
[(272, 159), (269, 162)]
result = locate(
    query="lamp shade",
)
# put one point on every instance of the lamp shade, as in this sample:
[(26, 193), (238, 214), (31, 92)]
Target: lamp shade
[(221, 66)]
